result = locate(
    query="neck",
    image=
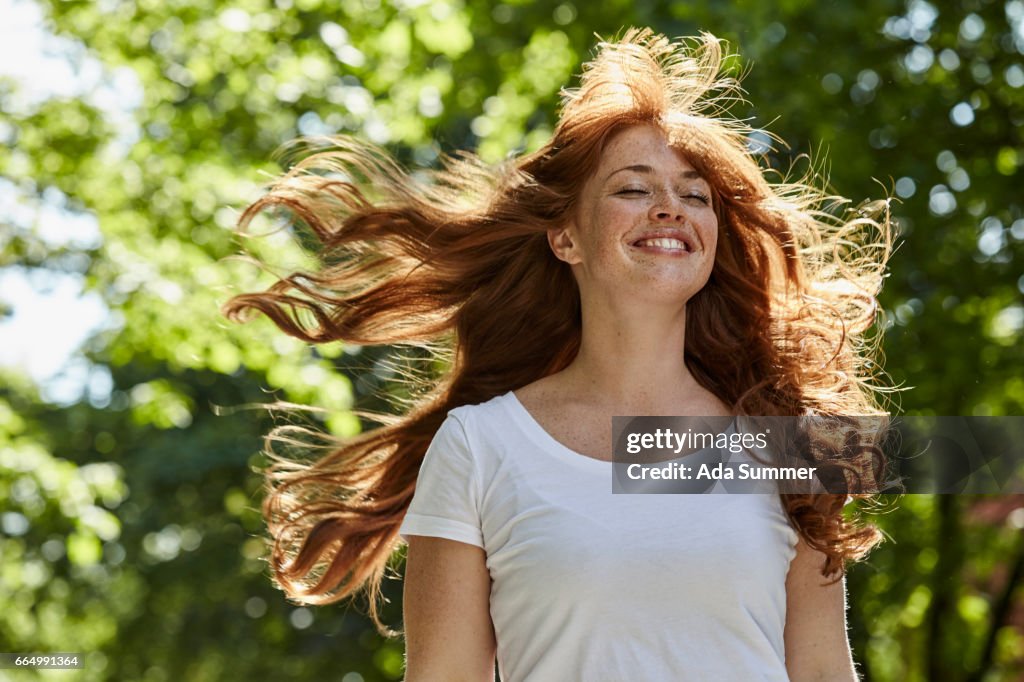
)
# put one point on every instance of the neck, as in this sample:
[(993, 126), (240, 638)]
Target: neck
[(631, 356)]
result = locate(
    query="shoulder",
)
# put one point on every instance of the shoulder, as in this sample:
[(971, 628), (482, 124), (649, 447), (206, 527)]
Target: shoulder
[(548, 394), (484, 415), (482, 432)]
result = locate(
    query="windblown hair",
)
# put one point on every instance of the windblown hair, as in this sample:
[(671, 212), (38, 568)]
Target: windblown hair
[(456, 260)]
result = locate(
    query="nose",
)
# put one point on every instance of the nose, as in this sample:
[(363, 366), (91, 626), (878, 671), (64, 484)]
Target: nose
[(667, 208)]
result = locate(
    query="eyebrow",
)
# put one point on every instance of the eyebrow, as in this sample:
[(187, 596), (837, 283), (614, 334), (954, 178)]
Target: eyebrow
[(641, 168)]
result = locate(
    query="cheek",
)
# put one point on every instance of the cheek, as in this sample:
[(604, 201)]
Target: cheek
[(608, 227), (710, 233), (616, 214)]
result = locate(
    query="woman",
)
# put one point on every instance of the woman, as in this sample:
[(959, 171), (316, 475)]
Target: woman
[(638, 263)]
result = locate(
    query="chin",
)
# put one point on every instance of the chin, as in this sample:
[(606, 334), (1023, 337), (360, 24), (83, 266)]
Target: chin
[(668, 295)]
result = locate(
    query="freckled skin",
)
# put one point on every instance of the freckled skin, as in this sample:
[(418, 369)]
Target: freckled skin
[(618, 206)]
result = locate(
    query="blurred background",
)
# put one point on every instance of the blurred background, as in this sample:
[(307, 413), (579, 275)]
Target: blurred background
[(133, 132)]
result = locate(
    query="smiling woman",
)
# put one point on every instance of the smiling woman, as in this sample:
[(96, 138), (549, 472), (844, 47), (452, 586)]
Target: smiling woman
[(638, 263)]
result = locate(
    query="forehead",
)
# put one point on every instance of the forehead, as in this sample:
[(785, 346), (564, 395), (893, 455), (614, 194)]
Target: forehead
[(640, 145)]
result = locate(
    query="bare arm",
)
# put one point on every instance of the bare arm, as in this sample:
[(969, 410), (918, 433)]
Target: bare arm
[(449, 636), (817, 646)]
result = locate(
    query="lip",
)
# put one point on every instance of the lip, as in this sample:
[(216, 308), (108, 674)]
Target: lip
[(688, 241)]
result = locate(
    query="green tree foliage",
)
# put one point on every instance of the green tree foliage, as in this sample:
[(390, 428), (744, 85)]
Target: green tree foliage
[(130, 521)]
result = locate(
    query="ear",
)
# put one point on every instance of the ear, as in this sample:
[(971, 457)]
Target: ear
[(564, 243)]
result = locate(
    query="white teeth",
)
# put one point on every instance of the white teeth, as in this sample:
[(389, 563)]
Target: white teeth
[(664, 243)]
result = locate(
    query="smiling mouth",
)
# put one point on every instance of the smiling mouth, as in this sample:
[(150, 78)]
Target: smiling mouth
[(663, 244)]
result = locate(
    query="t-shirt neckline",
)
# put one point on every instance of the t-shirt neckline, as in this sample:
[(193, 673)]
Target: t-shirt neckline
[(551, 444)]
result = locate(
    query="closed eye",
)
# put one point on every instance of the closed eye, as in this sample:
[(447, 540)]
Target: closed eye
[(702, 198)]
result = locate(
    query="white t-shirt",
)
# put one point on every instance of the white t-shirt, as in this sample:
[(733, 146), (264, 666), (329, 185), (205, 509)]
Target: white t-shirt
[(592, 586)]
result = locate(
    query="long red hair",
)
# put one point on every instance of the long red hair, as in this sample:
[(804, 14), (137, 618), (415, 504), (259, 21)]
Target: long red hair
[(456, 260)]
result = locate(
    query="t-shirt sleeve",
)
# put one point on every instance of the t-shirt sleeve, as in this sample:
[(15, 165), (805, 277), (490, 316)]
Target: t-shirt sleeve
[(445, 503)]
